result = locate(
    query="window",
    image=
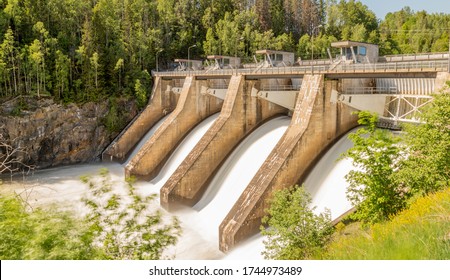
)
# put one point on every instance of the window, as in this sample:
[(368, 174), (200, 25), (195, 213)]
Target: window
[(362, 50), (279, 57), (226, 61)]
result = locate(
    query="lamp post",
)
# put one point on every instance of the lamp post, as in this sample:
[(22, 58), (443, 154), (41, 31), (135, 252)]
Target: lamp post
[(312, 41), (235, 52), (189, 58), (157, 64)]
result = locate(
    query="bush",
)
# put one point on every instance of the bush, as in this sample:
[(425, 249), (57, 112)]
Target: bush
[(41, 233), (294, 230), (116, 227), (372, 187), (418, 233), (124, 226)]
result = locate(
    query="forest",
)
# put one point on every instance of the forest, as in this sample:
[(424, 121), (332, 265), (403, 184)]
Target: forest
[(87, 50)]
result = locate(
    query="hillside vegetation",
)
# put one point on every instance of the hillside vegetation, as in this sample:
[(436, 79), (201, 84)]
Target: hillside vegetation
[(82, 50), (421, 232)]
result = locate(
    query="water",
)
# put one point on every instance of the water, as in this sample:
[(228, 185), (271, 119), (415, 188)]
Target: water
[(200, 224), (327, 186), (326, 182), (235, 174), (145, 139)]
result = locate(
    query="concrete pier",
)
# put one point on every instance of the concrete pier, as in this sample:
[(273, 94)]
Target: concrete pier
[(161, 103), (316, 123), (241, 113), (192, 108)]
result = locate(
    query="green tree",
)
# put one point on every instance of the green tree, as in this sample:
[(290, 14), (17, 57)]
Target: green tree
[(125, 226), (344, 16), (372, 187), (293, 230), (426, 169), (40, 233), (116, 226), (62, 71), (36, 57), (141, 94)]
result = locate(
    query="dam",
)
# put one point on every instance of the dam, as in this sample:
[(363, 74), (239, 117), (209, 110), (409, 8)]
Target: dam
[(319, 98)]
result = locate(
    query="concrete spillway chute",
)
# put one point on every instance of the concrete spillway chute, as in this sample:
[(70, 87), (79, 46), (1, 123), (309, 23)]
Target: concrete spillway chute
[(285, 98), (216, 92)]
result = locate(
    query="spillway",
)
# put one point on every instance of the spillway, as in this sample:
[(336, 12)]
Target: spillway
[(144, 140), (327, 185), (182, 151), (200, 224), (202, 221), (236, 173)]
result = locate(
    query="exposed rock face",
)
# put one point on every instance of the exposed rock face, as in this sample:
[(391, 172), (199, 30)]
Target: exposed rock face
[(55, 134)]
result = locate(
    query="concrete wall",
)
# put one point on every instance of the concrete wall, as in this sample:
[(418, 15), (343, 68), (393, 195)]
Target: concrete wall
[(315, 125), (241, 113), (441, 79), (192, 108), (160, 104)]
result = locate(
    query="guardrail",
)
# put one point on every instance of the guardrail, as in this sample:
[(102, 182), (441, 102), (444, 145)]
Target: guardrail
[(398, 67), (371, 90), (280, 88), (418, 56)]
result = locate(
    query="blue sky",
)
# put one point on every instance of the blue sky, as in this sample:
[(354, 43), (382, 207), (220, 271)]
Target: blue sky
[(382, 7)]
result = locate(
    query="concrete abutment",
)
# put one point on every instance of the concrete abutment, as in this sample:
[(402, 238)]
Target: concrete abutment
[(162, 102)]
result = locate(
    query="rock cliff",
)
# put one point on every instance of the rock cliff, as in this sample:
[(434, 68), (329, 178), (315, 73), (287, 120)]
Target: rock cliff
[(54, 134)]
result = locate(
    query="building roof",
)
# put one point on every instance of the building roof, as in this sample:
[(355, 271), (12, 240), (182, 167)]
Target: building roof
[(347, 44), (187, 60), (220, 56), (272, 52)]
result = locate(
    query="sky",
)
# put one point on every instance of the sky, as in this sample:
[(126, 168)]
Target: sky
[(382, 7)]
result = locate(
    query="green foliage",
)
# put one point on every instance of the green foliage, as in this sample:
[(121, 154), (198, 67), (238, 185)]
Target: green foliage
[(41, 233), (116, 227), (79, 51), (372, 188), (125, 225), (294, 231), (428, 149), (418, 233), (141, 94), (114, 120)]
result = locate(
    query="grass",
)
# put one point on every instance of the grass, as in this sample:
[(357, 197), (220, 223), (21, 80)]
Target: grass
[(421, 232)]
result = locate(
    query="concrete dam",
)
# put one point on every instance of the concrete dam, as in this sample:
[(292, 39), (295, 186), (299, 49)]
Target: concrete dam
[(319, 99)]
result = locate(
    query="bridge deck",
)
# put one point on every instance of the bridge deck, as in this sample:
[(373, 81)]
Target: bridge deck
[(431, 66)]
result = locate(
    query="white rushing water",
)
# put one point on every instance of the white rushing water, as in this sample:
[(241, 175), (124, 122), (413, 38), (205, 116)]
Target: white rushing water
[(144, 139), (200, 224), (326, 182), (327, 186)]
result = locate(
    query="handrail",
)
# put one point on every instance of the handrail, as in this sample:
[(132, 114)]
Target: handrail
[(280, 88), (370, 90), (404, 66), (418, 56)]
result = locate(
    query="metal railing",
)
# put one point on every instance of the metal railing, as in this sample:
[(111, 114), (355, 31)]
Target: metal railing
[(280, 87), (370, 90), (418, 56), (218, 85), (398, 67)]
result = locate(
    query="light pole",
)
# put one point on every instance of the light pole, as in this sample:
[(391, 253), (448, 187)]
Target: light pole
[(189, 58), (312, 41), (235, 52), (157, 64)]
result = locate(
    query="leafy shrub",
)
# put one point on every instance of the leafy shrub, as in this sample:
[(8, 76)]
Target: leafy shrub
[(294, 230)]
